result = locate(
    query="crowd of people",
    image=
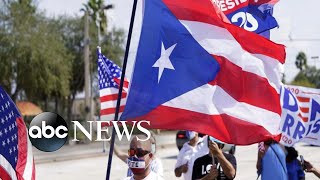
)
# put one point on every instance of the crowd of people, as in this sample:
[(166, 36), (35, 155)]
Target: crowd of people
[(202, 158)]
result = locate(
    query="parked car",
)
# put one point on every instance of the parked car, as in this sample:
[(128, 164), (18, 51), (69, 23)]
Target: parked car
[(181, 138)]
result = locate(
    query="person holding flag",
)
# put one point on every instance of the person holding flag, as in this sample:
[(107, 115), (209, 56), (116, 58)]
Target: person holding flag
[(210, 162), (109, 79)]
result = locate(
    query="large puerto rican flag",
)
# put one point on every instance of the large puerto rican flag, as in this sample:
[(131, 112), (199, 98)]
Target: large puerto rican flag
[(194, 71)]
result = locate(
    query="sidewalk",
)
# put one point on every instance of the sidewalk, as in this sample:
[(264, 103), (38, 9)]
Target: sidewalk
[(95, 149)]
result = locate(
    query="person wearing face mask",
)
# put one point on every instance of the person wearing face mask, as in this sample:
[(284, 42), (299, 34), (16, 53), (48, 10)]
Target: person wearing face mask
[(185, 154), (156, 165), (211, 163), (140, 158)]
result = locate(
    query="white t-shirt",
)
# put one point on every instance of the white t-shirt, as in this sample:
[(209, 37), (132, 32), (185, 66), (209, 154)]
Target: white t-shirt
[(185, 156), (151, 176)]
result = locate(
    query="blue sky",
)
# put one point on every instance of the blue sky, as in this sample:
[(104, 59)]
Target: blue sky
[(297, 19)]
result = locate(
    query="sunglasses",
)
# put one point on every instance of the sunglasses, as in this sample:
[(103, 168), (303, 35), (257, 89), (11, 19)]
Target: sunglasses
[(138, 152)]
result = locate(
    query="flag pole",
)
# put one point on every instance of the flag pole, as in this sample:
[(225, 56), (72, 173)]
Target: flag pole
[(103, 142), (121, 86)]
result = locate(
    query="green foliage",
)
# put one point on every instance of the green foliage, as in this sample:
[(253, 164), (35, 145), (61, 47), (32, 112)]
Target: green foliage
[(96, 8), (301, 61), (41, 58), (302, 80), (308, 76), (32, 53)]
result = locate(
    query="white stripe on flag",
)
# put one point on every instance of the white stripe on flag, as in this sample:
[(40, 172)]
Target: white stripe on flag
[(303, 104), (218, 41), (7, 167), (27, 174), (213, 100), (112, 104), (108, 91)]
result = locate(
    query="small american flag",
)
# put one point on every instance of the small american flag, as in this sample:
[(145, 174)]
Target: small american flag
[(16, 159), (109, 82)]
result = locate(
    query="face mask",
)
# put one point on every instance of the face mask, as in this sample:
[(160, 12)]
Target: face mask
[(191, 134), (136, 165), (153, 148)]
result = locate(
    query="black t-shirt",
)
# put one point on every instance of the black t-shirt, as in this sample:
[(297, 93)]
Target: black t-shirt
[(202, 166)]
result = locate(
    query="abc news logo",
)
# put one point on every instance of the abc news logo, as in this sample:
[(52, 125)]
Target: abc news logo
[(48, 131)]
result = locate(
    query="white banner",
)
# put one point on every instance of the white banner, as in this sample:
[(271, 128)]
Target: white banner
[(300, 115)]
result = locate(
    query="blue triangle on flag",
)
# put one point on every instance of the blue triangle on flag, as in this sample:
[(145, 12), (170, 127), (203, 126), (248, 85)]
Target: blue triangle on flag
[(193, 65)]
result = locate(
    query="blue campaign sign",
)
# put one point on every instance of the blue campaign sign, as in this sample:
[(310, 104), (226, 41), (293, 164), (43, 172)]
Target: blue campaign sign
[(253, 19), (300, 115)]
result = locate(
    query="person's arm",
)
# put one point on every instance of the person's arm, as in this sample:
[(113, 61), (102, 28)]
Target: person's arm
[(181, 169), (309, 168), (261, 151), (181, 166), (225, 164), (119, 153), (316, 172)]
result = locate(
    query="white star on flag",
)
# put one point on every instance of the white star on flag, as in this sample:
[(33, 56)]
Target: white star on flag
[(164, 60)]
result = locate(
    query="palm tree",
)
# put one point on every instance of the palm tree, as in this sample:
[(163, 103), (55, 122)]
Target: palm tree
[(301, 61), (97, 7)]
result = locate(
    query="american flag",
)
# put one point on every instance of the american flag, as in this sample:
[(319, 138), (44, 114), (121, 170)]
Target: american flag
[(109, 82), (16, 159)]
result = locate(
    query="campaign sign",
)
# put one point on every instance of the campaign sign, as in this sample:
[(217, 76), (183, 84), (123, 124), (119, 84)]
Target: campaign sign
[(254, 16), (300, 115)]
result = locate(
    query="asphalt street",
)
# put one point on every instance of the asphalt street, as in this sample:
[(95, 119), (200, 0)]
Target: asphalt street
[(94, 167)]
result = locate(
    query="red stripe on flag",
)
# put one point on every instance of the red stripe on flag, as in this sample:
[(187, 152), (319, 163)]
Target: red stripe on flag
[(303, 99), (204, 11), (304, 119), (125, 82), (4, 174), (256, 44), (304, 109), (246, 87), (112, 97), (110, 111), (200, 10), (223, 127), (23, 148)]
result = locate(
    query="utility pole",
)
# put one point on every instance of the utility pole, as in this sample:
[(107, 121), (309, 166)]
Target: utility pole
[(315, 58), (87, 77), (98, 21)]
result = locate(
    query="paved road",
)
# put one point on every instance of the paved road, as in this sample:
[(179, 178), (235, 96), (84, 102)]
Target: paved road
[(95, 167)]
